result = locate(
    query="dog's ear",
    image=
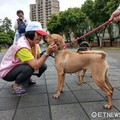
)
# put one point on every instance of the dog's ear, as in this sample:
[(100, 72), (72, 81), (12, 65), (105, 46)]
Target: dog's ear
[(60, 39)]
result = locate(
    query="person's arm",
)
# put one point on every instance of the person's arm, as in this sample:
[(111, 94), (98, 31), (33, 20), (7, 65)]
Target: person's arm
[(16, 25), (115, 17), (36, 64)]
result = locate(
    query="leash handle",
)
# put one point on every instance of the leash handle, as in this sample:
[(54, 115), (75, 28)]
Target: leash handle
[(92, 31)]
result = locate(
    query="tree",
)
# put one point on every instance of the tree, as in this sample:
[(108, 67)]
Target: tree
[(81, 20), (5, 39), (96, 12), (6, 34), (112, 6), (6, 24), (54, 25), (67, 22)]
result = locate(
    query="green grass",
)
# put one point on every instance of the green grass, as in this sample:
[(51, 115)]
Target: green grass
[(106, 48), (4, 50)]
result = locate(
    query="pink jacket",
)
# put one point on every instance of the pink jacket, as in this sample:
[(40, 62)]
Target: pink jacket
[(9, 61)]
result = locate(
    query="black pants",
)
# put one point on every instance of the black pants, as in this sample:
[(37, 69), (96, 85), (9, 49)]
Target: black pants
[(22, 73)]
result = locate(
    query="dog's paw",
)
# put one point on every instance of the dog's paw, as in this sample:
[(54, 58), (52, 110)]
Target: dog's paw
[(81, 82), (78, 82), (107, 106), (56, 95)]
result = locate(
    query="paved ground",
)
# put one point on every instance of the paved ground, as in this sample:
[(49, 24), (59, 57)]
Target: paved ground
[(84, 102)]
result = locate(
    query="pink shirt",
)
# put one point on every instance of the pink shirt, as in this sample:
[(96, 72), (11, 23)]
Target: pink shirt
[(9, 61)]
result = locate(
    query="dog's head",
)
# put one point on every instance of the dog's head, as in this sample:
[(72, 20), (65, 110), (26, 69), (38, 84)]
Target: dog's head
[(56, 39)]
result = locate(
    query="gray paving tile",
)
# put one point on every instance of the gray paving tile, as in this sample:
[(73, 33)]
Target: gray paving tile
[(51, 76), (116, 83), (8, 103), (75, 103), (116, 103), (52, 81), (113, 78), (87, 95), (36, 89), (8, 85), (118, 88), (65, 98), (96, 111), (7, 114), (52, 88), (93, 85), (114, 73), (6, 92), (75, 86), (113, 67), (116, 94), (2, 83), (40, 82), (33, 100), (33, 113), (51, 70), (68, 112)]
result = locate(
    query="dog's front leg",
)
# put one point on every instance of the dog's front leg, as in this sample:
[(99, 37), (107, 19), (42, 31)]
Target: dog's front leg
[(59, 86), (62, 83)]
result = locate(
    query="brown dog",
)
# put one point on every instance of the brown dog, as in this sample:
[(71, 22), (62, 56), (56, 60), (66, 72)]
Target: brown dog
[(71, 62), (83, 46)]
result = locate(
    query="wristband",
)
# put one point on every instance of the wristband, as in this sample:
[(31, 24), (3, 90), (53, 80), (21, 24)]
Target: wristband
[(45, 54)]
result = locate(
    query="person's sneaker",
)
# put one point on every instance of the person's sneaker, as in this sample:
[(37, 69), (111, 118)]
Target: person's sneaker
[(19, 91), (31, 82)]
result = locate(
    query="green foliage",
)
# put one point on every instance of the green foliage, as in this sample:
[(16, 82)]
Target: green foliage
[(5, 39), (11, 34), (6, 34), (81, 20), (6, 25), (54, 25)]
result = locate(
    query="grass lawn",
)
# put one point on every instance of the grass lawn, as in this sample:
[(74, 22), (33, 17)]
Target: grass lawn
[(106, 48)]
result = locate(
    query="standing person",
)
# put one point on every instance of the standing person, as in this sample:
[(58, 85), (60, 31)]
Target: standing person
[(22, 59), (20, 25), (115, 17)]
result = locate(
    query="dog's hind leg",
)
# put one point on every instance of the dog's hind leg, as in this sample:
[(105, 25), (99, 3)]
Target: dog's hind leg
[(108, 82), (79, 82), (100, 81), (81, 78)]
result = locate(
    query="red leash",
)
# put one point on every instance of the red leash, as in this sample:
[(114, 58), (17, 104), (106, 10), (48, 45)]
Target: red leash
[(92, 31)]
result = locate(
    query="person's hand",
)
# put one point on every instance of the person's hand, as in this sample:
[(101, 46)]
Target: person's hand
[(115, 17), (51, 48)]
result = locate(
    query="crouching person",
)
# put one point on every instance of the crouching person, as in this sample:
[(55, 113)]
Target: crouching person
[(22, 59)]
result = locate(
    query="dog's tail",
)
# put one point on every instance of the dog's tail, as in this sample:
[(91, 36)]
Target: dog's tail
[(94, 52)]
